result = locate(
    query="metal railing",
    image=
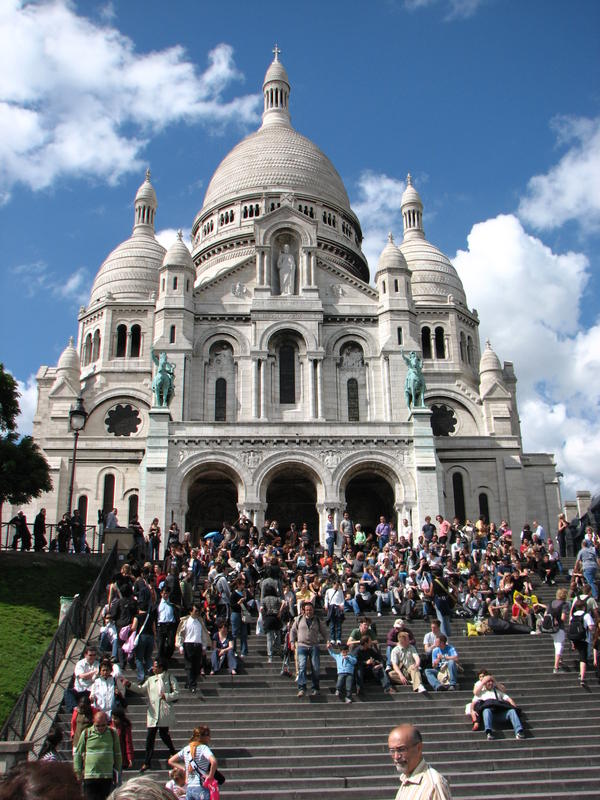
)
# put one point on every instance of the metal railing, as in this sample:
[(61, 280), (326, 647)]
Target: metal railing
[(93, 538), (74, 625)]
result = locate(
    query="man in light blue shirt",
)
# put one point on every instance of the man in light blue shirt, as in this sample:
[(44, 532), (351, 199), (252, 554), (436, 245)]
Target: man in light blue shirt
[(443, 655)]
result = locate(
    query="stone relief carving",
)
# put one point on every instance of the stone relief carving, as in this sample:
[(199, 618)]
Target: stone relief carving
[(336, 290), (352, 358), (221, 356), (239, 290)]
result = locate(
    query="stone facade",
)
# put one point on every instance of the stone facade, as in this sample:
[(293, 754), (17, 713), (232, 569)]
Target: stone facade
[(289, 372)]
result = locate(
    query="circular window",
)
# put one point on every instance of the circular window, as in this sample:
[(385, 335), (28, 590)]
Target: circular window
[(123, 420), (443, 420)]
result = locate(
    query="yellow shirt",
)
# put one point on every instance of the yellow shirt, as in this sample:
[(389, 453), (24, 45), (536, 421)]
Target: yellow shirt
[(424, 783)]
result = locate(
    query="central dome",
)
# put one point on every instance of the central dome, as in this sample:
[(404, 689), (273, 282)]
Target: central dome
[(276, 157)]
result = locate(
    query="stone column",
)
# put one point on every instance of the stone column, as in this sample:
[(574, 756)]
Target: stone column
[(323, 512), (255, 387), (386, 388), (320, 388), (311, 388)]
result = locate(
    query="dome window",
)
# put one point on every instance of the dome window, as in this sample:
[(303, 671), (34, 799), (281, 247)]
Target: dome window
[(469, 350), (135, 341), (426, 342), (353, 404), (440, 344)]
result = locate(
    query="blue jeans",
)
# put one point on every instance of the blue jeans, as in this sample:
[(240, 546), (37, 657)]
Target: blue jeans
[(315, 658), (509, 715), (431, 675), (330, 543), (239, 630), (590, 574), (384, 598), (197, 793), (344, 684), (441, 612), (143, 655)]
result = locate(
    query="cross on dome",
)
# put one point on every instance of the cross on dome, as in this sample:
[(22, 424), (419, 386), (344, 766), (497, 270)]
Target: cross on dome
[(180, 234), (148, 174), (390, 238), (409, 179), (276, 52)]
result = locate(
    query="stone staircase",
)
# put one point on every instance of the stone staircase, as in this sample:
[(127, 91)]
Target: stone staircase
[(269, 743)]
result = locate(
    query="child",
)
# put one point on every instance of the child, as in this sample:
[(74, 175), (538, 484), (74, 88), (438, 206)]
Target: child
[(108, 638), (287, 651), (345, 673), (177, 783)]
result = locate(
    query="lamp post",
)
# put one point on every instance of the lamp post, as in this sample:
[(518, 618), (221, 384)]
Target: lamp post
[(77, 419)]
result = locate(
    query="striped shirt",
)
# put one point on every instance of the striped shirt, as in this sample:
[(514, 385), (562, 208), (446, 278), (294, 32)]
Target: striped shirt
[(424, 783)]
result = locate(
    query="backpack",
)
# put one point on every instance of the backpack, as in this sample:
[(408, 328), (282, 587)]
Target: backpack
[(577, 631), (549, 623)]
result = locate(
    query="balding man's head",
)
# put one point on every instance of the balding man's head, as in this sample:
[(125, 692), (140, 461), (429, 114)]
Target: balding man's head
[(406, 747)]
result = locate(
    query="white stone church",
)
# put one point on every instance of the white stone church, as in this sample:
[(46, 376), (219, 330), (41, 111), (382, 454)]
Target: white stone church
[(288, 399)]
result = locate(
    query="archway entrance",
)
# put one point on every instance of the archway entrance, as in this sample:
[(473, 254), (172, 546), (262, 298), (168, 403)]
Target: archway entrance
[(368, 496), (212, 500), (292, 497)]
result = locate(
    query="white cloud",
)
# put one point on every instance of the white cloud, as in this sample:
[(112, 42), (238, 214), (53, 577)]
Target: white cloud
[(456, 9), (167, 236), (570, 190), (36, 278), (528, 299), (378, 209), (76, 99), (27, 405)]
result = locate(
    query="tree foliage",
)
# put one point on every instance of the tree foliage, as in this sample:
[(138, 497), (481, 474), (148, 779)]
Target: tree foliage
[(24, 471)]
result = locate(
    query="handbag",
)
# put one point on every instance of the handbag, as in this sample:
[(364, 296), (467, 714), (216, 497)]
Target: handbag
[(124, 633), (246, 614), (130, 645)]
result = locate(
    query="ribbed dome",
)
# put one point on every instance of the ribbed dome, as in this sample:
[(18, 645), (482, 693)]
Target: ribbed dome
[(69, 359), (276, 72), (489, 360), (131, 270), (146, 191), (276, 157), (178, 255), (433, 276), (410, 195), (391, 256)]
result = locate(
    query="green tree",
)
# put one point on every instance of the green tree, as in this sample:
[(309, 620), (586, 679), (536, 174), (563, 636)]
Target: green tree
[(24, 471)]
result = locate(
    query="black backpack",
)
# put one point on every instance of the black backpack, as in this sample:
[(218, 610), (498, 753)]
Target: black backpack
[(549, 623), (577, 631)]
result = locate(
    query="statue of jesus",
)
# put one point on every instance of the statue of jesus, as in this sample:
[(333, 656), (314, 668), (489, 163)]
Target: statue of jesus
[(286, 266)]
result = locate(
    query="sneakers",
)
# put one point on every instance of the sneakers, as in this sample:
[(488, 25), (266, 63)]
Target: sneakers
[(519, 735), (301, 692), (270, 660), (379, 613), (489, 735), (555, 671), (337, 692), (339, 643), (393, 610), (314, 692), (421, 689), (347, 700), (453, 687)]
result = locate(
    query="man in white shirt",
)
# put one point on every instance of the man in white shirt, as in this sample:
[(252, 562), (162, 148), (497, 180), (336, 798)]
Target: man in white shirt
[(86, 672), (497, 704), (418, 781)]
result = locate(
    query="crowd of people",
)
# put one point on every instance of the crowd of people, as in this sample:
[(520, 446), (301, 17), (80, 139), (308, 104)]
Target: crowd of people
[(205, 599)]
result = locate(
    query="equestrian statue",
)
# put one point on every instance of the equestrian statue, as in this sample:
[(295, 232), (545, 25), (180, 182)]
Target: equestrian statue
[(162, 383), (414, 385)]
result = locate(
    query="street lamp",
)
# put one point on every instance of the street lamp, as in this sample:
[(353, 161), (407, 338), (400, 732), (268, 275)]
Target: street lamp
[(77, 419)]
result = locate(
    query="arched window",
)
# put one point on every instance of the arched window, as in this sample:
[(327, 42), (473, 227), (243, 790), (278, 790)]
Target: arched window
[(172, 335), (426, 342), (353, 405), (96, 346), (134, 502), (459, 497), (484, 507), (470, 350), (220, 400), (383, 287), (463, 347), (82, 505), (136, 341), (87, 350), (440, 345), (399, 335), (287, 374), (121, 341), (174, 284), (108, 497)]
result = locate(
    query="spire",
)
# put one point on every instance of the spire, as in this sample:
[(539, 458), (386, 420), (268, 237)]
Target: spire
[(276, 93), (412, 211), (145, 207)]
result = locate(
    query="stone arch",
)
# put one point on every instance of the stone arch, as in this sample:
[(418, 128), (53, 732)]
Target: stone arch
[(210, 491), (468, 417), (380, 464), (463, 472), (292, 490), (337, 340), (228, 333), (309, 340), (298, 227), (369, 488)]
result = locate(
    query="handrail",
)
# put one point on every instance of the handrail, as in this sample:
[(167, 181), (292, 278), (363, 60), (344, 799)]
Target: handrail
[(74, 625), (93, 537)]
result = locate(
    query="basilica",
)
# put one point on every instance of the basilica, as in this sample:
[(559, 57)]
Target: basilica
[(287, 365)]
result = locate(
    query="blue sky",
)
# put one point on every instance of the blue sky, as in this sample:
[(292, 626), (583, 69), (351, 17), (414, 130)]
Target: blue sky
[(492, 105)]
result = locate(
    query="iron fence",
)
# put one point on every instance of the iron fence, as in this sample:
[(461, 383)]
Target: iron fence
[(93, 538), (74, 625)]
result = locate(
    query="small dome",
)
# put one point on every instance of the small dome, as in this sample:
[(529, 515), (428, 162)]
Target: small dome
[(276, 72), (178, 254), (146, 192), (131, 270), (410, 196), (391, 256), (433, 276), (489, 360), (69, 359)]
